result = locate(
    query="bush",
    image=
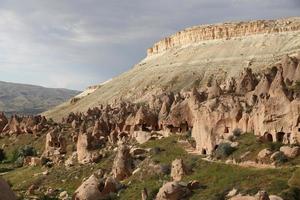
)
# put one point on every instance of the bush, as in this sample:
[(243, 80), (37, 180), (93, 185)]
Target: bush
[(280, 158), (237, 132), (18, 155), (224, 150), (274, 146), (291, 194), (27, 151)]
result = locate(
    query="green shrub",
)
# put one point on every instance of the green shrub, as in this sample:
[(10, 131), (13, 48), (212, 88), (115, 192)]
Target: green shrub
[(274, 146), (18, 155), (224, 150), (27, 151), (280, 158), (291, 194), (237, 132)]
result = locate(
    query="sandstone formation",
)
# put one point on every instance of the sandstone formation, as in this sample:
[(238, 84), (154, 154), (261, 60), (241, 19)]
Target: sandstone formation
[(22, 125), (227, 31), (265, 103), (86, 144), (55, 145), (173, 191), (96, 188), (178, 170), (122, 166), (290, 152), (198, 57)]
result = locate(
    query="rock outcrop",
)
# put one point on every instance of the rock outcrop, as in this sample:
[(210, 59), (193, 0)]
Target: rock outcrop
[(96, 188), (173, 191), (55, 145), (226, 31), (122, 166), (178, 170), (5, 192)]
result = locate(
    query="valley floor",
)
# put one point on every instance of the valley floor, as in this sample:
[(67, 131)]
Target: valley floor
[(216, 178)]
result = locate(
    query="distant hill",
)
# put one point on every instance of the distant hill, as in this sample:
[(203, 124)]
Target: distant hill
[(30, 99)]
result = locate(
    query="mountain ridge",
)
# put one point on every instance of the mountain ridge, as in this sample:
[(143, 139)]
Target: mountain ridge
[(18, 98)]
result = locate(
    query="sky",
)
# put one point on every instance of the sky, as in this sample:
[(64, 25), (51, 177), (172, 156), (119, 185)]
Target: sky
[(77, 43)]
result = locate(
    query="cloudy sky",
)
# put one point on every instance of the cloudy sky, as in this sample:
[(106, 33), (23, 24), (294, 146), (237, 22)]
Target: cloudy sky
[(77, 43)]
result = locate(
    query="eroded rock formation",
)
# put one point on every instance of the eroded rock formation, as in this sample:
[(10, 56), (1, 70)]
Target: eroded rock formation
[(223, 31), (5, 192), (122, 166)]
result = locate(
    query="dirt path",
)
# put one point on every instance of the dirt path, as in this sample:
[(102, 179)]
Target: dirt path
[(249, 164)]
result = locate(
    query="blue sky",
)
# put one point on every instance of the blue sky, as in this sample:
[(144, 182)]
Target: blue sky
[(77, 43)]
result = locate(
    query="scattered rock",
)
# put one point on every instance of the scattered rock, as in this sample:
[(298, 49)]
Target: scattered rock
[(173, 191), (178, 170), (290, 152)]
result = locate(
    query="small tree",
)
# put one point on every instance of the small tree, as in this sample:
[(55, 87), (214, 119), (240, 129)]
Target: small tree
[(237, 132), (224, 150)]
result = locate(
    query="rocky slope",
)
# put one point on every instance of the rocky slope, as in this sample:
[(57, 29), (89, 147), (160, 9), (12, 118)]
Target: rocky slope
[(30, 99), (194, 57)]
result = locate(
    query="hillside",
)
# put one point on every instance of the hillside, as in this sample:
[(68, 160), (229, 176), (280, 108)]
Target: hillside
[(30, 99), (212, 113), (192, 58)]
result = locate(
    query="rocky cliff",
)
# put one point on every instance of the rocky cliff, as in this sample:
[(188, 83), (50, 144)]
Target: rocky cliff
[(185, 66), (226, 31)]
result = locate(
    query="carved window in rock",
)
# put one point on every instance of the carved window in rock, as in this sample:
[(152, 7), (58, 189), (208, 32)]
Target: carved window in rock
[(226, 129), (268, 137), (280, 136)]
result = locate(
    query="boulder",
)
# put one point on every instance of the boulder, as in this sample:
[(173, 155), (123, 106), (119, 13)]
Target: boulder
[(264, 154), (173, 191), (141, 136), (5, 192), (290, 152), (178, 170), (89, 190)]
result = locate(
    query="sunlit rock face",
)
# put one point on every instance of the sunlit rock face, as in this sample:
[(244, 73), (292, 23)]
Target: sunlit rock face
[(196, 34)]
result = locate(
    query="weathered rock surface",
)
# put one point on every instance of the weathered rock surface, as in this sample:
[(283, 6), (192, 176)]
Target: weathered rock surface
[(55, 143), (5, 192), (178, 170), (122, 166), (173, 191), (96, 188), (198, 56), (222, 31), (290, 152)]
